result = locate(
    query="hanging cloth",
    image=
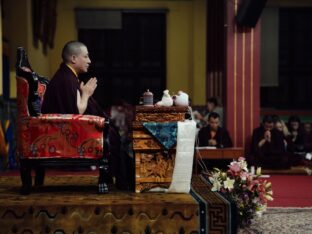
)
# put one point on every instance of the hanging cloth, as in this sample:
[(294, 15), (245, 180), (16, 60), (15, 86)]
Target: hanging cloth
[(164, 133)]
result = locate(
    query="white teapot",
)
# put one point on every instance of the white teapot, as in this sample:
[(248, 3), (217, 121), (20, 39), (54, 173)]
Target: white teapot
[(166, 99), (181, 99)]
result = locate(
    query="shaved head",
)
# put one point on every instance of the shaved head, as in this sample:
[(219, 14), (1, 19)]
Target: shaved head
[(76, 55), (71, 48)]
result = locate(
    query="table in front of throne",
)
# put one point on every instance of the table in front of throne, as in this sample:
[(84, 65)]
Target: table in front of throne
[(153, 163)]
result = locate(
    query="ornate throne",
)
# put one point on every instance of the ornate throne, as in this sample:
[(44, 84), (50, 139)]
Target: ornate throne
[(54, 140)]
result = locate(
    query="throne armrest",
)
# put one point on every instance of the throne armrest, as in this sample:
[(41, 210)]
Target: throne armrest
[(61, 135), (87, 120)]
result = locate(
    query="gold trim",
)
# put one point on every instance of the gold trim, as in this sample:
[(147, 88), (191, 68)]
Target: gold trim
[(243, 87), (220, 86), (251, 79), (211, 84), (235, 76), (72, 69)]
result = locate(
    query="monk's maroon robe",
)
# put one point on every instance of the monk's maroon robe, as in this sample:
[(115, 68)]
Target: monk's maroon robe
[(61, 98), (271, 154), (61, 95), (222, 137)]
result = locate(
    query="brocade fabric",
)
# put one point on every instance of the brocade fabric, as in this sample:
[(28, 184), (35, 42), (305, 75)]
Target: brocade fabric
[(56, 135), (164, 133)]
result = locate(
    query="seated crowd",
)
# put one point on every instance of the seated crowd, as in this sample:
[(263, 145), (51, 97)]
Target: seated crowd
[(274, 144), (279, 145)]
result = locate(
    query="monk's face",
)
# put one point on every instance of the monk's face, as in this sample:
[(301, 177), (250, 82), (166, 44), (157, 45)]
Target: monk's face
[(214, 123), (279, 126), (294, 125), (307, 127), (268, 126), (82, 60), (210, 106)]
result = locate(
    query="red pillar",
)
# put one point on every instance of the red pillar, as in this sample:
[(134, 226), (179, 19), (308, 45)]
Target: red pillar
[(242, 86)]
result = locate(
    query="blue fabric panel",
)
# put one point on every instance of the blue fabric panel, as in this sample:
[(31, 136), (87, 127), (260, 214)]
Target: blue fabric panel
[(165, 133)]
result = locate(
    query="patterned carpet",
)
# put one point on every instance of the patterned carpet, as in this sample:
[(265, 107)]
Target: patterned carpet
[(70, 204), (217, 214), (282, 220)]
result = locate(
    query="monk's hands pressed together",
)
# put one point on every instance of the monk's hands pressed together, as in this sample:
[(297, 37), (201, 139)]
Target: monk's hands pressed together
[(86, 92), (212, 142), (88, 88), (267, 135)]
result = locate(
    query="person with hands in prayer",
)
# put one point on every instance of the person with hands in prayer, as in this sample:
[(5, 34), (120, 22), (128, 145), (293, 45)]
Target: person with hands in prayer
[(214, 135), (65, 94)]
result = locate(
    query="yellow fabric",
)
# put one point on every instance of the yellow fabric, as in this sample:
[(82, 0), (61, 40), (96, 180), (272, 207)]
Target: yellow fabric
[(72, 69)]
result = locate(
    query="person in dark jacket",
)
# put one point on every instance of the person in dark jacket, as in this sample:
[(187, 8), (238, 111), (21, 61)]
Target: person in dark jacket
[(307, 137), (213, 134), (269, 149), (295, 139)]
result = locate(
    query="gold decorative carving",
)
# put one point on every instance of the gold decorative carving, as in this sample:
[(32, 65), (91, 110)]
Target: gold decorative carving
[(159, 117), (150, 144), (154, 168), (156, 165)]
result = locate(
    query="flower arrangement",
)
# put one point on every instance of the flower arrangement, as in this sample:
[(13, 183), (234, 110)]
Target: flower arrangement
[(247, 189)]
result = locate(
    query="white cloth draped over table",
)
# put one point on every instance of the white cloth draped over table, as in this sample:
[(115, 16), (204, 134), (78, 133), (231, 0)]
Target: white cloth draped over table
[(182, 172)]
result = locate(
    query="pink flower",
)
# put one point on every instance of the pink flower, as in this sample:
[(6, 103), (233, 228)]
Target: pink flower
[(234, 167), (249, 191), (253, 185), (244, 175), (240, 159)]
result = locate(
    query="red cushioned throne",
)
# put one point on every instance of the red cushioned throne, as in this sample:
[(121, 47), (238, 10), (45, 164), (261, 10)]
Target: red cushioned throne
[(54, 140)]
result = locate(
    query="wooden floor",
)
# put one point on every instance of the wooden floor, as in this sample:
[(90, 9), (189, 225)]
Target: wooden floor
[(70, 204)]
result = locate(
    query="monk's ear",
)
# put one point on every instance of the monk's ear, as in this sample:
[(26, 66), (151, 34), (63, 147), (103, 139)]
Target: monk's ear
[(73, 59)]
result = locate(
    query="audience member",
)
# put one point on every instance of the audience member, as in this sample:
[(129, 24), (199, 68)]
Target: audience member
[(199, 119), (307, 128), (211, 106), (268, 148), (213, 134), (307, 137), (281, 126), (295, 139), (122, 115)]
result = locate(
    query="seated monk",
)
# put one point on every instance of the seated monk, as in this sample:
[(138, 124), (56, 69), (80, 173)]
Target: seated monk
[(268, 147), (66, 94), (213, 134), (295, 139), (307, 137)]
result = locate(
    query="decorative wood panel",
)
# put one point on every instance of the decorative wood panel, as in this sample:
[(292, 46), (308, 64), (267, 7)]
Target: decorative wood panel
[(154, 165)]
